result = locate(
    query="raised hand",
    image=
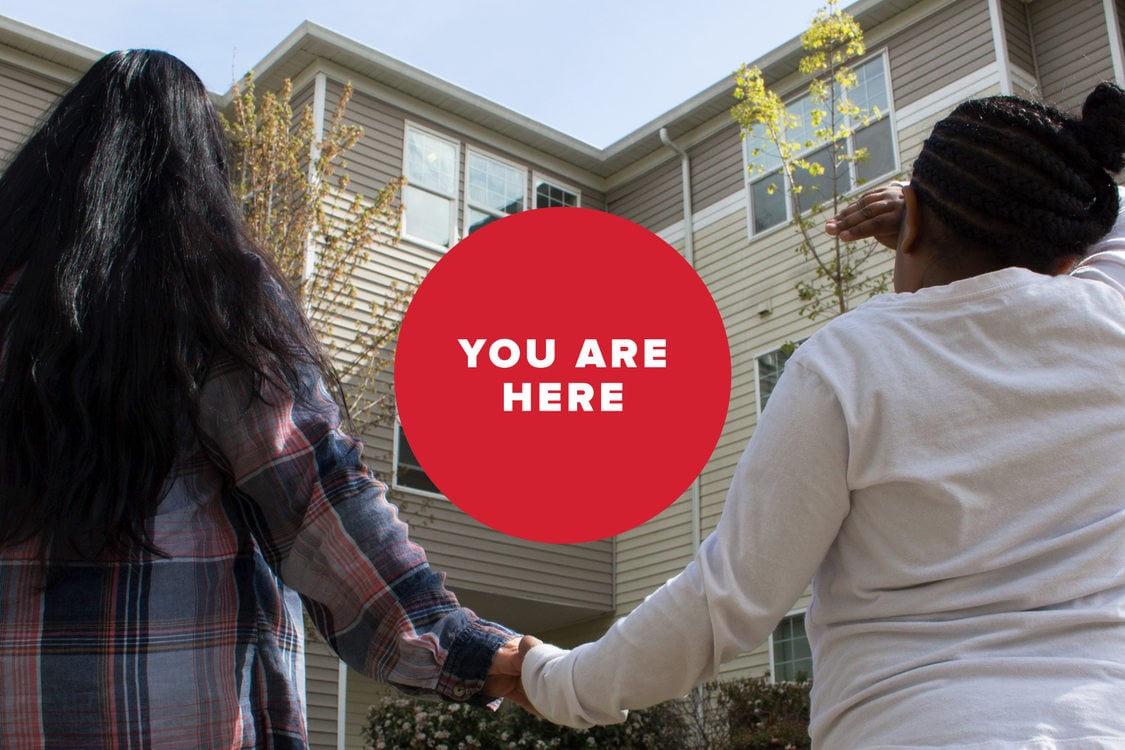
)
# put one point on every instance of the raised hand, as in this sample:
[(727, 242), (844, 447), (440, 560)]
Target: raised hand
[(877, 213)]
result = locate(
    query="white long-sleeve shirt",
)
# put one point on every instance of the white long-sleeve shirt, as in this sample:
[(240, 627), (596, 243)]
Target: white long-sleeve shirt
[(951, 465)]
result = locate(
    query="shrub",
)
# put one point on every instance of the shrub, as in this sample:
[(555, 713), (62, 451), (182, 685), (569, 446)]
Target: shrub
[(406, 724), (746, 714), (761, 714)]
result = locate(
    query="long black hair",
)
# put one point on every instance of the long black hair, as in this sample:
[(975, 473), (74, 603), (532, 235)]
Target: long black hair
[(1025, 183), (130, 272)]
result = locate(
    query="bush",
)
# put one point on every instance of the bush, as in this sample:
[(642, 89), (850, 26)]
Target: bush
[(405, 724), (747, 714), (761, 714)]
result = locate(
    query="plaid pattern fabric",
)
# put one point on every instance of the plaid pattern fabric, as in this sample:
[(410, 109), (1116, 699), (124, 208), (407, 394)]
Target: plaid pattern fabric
[(203, 648)]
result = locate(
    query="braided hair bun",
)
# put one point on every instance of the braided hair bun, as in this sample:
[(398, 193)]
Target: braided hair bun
[(1023, 182), (1102, 127)]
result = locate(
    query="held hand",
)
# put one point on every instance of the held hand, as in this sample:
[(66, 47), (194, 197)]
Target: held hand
[(877, 213), (503, 679)]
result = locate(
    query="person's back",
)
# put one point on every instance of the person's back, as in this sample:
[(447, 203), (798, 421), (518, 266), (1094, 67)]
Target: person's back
[(174, 482), (945, 463), (977, 580)]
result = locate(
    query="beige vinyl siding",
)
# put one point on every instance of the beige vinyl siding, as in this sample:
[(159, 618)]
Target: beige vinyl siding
[(362, 694), (321, 677), (943, 47), (1018, 34), (716, 167), (1072, 45), (653, 552), (1120, 30), (25, 99), (377, 158), (302, 98), (654, 199)]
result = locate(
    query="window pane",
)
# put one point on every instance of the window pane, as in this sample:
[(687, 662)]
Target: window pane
[(769, 210), (478, 219), (495, 186), (550, 196), (768, 158), (770, 367), (427, 216), (803, 108), (409, 472), (818, 188), (871, 87), (880, 159), (431, 162), (792, 657)]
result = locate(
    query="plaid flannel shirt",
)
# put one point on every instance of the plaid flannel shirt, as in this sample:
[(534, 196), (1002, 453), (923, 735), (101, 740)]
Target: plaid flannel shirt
[(203, 648)]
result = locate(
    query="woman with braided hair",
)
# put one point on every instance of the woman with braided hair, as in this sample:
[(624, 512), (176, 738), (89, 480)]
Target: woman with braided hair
[(944, 462)]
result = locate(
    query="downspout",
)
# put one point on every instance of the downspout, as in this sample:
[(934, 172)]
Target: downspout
[(342, 707), (689, 254), (320, 93), (1000, 45), (1115, 47)]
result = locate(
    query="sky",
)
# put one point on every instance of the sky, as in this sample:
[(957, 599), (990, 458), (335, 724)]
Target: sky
[(594, 69)]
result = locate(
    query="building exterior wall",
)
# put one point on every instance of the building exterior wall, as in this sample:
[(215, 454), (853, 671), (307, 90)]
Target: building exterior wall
[(652, 200), (1072, 46), (1017, 31), (322, 693), (27, 96), (942, 48)]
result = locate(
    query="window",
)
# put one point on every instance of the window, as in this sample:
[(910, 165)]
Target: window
[(770, 366), (770, 203), (494, 190), (430, 196), (549, 194), (409, 474), (490, 187), (790, 655)]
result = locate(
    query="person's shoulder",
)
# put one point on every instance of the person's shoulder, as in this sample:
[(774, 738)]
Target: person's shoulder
[(1106, 266)]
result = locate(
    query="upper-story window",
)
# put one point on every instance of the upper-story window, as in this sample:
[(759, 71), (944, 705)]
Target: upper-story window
[(441, 207), (548, 194), (494, 189), (770, 201), (430, 197)]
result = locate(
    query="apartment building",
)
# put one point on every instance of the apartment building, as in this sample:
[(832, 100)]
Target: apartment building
[(684, 176)]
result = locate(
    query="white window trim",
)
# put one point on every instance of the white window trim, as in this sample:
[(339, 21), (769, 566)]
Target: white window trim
[(769, 641), (454, 199), (470, 206), (394, 469), (750, 176), (538, 177)]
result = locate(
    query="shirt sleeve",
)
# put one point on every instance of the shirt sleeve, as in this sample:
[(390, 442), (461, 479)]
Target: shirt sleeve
[(785, 506), (323, 523)]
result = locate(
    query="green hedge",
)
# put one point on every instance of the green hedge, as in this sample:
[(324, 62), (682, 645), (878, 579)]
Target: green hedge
[(747, 714)]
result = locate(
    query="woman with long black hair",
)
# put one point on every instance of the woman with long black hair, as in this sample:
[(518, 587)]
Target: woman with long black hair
[(172, 473)]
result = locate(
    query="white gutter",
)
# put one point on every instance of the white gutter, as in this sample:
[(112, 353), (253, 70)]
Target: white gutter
[(689, 254)]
